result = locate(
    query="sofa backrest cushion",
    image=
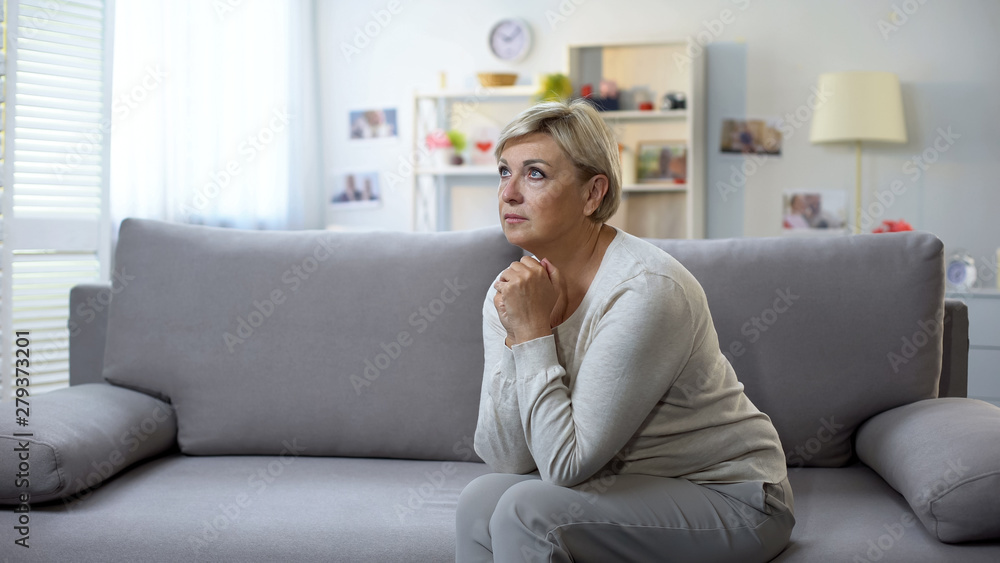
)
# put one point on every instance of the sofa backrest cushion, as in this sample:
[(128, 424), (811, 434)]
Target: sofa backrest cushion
[(346, 344), (825, 333)]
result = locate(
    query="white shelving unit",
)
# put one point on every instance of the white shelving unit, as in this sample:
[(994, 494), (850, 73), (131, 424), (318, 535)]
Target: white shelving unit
[(435, 185), (456, 197), (652, 209)]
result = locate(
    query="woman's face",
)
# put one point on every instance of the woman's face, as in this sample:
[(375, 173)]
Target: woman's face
[(541, 195)]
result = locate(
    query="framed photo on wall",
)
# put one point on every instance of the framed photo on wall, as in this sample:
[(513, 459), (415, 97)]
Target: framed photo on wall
[(814, 212), (661, 161), (750, 136), (372, 123), (356, 190)]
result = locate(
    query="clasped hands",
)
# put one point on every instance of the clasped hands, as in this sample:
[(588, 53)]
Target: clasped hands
[(531, 299)]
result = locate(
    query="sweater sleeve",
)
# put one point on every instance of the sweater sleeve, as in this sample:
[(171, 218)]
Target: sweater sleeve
[(641, 342), (499, 434)]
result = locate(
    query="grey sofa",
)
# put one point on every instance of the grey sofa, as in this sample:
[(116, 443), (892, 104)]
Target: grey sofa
[(312, 396)]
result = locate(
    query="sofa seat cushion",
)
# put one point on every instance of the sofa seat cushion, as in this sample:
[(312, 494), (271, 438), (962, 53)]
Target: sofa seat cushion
[(851, 514), (260, 508)]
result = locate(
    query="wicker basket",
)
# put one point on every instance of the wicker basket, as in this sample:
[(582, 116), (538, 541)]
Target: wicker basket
[(497, 78)]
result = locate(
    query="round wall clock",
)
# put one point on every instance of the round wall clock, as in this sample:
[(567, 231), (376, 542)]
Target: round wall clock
[(510, 39)]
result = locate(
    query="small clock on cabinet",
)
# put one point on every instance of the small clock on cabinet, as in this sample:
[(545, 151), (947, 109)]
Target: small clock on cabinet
[(960, 271)]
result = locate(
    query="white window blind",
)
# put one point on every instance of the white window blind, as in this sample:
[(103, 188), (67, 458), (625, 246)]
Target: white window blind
[(55, 182)]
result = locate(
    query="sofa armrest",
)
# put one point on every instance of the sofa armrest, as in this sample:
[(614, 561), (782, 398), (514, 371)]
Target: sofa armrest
[(955, 362), (88, 329), (77, 438), (941, 455)]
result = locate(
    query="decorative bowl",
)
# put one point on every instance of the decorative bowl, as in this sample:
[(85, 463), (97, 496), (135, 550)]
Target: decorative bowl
[(497, 78)]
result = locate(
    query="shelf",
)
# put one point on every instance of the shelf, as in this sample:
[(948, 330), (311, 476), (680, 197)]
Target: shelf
[(492, 171), (463, 170), (483, 92), (655, 187), (644, 115), (447, 197), (972, 291)]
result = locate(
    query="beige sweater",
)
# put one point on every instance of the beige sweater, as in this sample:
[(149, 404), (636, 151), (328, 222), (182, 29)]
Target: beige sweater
[(632, 382)]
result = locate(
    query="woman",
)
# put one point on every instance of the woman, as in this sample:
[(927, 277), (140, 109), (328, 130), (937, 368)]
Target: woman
[(618, 429)]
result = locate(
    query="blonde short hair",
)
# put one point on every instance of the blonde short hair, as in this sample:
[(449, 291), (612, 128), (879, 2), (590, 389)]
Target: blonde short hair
[(581, 133)]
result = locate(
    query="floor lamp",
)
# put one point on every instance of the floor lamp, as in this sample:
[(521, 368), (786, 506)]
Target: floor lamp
[(858, 106)]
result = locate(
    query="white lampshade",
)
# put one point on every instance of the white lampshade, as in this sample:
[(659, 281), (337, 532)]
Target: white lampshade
[(859, 106)]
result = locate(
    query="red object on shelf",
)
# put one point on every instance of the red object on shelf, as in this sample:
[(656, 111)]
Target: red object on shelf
[(586, 90), (889, 226), (646, 106), (484, 145)]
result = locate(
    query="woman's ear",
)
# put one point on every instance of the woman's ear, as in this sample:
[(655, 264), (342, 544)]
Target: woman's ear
[(596, 188)]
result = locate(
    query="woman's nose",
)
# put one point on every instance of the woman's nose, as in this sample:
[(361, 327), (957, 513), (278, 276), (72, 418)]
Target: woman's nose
[(511, 192)]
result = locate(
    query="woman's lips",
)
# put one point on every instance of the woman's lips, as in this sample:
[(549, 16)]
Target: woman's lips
[(513, 218)]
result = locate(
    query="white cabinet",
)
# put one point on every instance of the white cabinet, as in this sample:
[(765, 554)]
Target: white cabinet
[(984, 343), (460, 197)]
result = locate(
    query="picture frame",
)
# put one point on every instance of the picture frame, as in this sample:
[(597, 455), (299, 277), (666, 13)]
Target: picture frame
[(355, 190), (750, 136), (372, 124), (807, 212), (661, 161)]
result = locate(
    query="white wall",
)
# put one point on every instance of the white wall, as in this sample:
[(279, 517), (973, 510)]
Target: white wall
[(944, 54)]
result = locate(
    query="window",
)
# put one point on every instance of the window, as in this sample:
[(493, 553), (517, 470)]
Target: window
[(55, 176)]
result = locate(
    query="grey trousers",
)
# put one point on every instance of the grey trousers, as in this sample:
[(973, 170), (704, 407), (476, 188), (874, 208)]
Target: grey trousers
[(636, 518)]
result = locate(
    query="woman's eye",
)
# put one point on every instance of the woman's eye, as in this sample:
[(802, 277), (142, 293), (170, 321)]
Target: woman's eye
[(504, 172), (535, 173)]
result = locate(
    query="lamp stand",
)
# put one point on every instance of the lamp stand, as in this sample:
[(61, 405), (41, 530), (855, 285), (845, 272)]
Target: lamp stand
[(857, 188)]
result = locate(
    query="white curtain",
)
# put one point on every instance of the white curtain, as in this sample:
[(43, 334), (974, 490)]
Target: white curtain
[(215, 115)]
